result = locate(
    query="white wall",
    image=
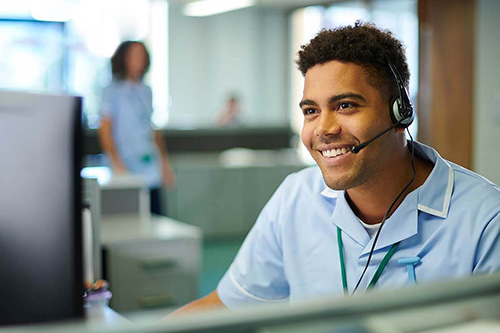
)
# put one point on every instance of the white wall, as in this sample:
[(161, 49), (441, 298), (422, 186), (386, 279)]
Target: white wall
[(486, 159), (241, 51)]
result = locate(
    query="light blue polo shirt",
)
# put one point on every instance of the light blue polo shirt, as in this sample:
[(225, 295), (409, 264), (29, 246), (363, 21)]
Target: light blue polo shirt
[(129, 106), (451, 222)]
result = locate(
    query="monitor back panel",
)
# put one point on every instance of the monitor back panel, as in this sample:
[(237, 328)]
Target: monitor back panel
[(40, 209)]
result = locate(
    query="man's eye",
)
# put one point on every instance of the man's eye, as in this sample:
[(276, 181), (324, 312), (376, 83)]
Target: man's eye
[(308, 111), (344, 105)]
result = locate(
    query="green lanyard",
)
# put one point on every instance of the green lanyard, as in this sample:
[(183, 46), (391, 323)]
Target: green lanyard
[(380, 268)]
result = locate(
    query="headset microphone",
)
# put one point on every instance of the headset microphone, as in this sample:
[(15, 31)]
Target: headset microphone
[(356, 149)]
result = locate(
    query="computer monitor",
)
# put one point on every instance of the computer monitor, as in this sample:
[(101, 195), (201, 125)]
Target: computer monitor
[(40, 208)]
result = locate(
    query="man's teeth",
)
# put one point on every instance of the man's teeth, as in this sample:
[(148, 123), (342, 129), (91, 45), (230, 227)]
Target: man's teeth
[(334, 152)]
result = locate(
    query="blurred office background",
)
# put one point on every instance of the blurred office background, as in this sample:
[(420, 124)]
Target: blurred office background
[(200, 59)]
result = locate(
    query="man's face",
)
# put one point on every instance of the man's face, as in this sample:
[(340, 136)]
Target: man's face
[(342, 110)]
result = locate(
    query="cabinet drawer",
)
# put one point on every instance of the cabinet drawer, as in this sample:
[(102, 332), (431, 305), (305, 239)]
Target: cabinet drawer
[(153, 259), (172, 291)]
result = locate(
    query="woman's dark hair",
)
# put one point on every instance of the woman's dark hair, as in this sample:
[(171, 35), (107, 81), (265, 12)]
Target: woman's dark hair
[(118, 68), (363, 44)]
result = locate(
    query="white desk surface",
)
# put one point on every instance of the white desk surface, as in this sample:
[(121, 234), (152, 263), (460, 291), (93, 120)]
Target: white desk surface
[(124, 181), (130, 227)]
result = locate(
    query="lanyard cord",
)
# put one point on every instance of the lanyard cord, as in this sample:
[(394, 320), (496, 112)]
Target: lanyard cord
[(382, 265), (342, 264), (383, 222), (380, 268)]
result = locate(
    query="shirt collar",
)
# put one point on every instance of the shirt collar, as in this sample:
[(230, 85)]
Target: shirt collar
[(433, 197), (435, 193), (344, 218), (329, 193), (402, 224)]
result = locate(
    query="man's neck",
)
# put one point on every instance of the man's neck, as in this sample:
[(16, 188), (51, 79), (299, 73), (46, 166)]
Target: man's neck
[(370, 202)]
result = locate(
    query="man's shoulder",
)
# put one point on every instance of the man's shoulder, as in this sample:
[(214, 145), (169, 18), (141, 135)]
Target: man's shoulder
[(474, 189), (300, 196), (468, 189), (470, 179)]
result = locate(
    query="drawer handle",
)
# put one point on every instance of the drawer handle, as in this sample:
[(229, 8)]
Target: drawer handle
[(156, 301), (156, 263)]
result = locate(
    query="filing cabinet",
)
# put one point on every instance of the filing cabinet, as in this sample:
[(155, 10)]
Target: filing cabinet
[(149, 264)]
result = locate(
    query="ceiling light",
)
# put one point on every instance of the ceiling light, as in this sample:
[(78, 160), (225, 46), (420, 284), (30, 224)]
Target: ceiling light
[(53, 10)]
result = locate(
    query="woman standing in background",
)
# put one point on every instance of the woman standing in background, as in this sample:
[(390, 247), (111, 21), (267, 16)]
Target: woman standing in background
[(125, 133)]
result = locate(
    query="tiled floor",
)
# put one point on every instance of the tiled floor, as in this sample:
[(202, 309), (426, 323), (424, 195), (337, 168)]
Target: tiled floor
[(217, 256)]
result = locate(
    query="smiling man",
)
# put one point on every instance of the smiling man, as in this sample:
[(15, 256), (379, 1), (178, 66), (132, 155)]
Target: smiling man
[(378, 211), (342, 109)]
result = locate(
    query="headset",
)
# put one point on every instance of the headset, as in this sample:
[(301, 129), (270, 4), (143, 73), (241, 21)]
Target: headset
[(401, 106), (400, 110)]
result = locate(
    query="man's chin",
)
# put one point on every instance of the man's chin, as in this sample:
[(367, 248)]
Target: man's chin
[(335, 184), (340, 179), (339, 183)]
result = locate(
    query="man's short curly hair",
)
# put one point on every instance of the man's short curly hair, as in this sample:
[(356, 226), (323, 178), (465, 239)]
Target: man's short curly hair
[(363, 44)]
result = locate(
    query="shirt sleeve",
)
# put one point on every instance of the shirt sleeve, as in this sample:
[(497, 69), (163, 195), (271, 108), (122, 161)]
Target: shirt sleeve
[(106, 109), (257, 273), (488, 250)]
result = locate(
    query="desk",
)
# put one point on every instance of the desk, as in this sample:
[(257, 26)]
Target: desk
[(467, 305), (150, 263)]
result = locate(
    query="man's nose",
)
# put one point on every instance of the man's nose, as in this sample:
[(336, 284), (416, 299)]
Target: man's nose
[(327, 125)]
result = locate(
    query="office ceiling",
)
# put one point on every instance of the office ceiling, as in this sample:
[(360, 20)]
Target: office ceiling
[(284, 4)]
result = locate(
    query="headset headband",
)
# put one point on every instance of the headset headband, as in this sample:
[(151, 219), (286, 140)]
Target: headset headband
[(405, 103)]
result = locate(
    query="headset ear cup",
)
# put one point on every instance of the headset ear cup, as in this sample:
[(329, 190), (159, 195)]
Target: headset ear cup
[(409, 118), (394, 110), (398, 114)]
